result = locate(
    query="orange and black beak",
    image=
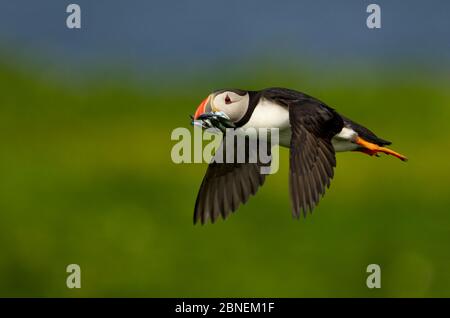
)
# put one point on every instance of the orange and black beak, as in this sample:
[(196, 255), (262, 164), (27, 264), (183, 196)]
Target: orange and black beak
[(204, 107)]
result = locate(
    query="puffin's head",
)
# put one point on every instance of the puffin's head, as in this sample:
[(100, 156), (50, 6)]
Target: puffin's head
[(232, 102)]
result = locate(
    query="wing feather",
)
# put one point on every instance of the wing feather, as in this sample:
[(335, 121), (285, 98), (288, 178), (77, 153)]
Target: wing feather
[(312, 157), (226, 186)]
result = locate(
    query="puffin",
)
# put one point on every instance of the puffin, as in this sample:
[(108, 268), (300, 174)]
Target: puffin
[(312, 130)]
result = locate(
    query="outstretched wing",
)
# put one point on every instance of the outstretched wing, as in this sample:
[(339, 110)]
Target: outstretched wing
[(312, 157), (225, 186)]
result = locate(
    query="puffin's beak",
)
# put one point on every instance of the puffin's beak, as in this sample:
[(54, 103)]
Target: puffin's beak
[(204, 107)]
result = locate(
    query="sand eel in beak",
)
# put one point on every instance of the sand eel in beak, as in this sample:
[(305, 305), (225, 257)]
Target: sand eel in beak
[(312, 131)]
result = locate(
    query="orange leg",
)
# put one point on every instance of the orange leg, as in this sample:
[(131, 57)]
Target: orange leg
[(373, 149)]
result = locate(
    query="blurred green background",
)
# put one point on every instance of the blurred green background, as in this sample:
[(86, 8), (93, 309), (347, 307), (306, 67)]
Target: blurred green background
[(87, 178), (86, 175)]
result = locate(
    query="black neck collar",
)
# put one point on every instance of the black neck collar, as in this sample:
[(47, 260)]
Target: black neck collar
[(252, 102)]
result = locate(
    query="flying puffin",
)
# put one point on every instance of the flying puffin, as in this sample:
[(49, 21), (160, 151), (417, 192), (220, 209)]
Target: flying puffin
[(312, 131)]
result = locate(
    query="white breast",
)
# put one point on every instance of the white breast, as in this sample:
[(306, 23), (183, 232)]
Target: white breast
[(268, 114)]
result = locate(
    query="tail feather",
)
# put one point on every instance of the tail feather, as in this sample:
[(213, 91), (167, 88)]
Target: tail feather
[(365, 133)]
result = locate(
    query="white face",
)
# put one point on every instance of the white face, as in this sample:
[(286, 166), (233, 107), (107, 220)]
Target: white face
[(233, 105)]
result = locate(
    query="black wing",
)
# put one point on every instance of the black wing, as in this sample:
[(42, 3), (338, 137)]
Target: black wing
[(227, 185), (312, 157)]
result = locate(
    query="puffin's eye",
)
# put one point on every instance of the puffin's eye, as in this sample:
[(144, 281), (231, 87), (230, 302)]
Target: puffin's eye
[(227, 100)]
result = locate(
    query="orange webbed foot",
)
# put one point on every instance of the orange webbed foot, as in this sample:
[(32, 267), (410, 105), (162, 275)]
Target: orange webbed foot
[(373, 149)]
